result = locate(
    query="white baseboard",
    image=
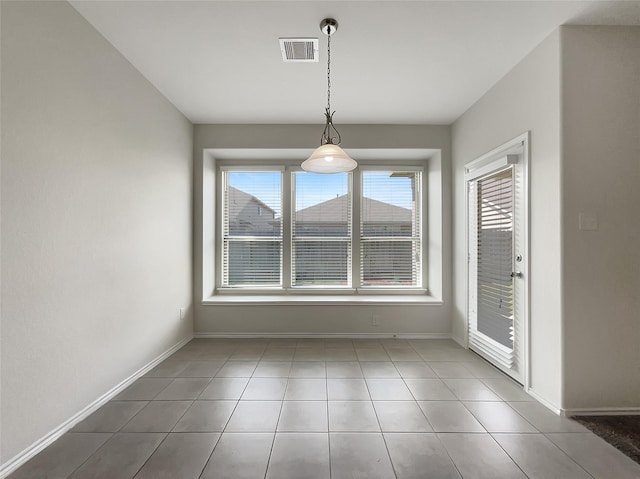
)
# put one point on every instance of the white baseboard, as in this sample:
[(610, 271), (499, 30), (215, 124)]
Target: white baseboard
[(544, 402), (326, 335), (22, 457), (602, 411)]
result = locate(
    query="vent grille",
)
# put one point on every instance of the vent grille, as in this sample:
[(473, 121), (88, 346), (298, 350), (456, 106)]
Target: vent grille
[(299, 49)]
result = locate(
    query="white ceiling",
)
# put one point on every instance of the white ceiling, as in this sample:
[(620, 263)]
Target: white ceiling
[(393, 62)]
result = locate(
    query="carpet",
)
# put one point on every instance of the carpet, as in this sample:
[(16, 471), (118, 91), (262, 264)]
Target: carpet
[(622, 432)]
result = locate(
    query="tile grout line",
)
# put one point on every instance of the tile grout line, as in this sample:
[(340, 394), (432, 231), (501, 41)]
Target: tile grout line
[(384, 441), (225, 424)]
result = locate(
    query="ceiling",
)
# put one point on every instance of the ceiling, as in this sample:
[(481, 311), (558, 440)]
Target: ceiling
[(393, 62)]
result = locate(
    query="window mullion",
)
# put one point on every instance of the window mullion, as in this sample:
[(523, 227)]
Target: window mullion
[(356, 198), (288, 207)]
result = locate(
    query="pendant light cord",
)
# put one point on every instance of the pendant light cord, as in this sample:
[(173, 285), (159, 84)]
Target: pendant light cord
[(329, 130), (329, 68)]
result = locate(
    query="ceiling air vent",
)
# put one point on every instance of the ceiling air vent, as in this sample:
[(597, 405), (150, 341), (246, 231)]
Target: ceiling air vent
[(299, 49)]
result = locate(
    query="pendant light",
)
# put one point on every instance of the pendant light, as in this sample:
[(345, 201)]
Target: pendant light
[(329, 157)]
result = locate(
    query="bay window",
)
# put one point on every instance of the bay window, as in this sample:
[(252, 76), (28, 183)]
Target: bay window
[(284, 230)]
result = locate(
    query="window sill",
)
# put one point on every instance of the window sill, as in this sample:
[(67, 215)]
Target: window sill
[(322, 300)]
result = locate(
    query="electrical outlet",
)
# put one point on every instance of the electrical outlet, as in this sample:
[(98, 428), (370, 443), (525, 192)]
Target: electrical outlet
[(182, 314)]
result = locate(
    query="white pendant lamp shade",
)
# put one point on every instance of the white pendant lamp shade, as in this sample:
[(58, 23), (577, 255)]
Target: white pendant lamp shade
[(329, 158)]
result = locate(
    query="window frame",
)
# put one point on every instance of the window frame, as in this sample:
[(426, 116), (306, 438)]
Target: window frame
[(421, 206), (355, 288), (290, 173)]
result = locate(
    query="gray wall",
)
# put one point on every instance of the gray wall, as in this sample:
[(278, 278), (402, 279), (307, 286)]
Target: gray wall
[(601, 177), (579, 95), (316, 317), (96, 220), (526, 99)]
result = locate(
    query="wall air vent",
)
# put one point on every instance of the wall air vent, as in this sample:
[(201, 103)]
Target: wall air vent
[(299, 49)]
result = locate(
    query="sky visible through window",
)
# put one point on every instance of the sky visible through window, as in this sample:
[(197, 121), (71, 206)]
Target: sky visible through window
[(318, 188)]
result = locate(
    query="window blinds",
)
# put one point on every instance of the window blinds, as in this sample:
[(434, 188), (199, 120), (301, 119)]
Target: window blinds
[(390, 229), (252, 229), (321, 230)]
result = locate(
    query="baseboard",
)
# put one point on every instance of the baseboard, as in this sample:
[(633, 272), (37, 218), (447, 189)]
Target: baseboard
[(326, 335), (602, 411), (22, 457), (460, 341), (544, 402)]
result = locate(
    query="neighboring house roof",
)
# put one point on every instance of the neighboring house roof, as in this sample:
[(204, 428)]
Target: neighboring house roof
[(335, 211), (240, 199)]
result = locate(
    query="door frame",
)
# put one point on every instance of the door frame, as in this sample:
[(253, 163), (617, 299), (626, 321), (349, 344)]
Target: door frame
[(519, 142)]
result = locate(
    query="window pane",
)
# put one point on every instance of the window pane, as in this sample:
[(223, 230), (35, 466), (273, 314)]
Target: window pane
[(252, 225), (322, 205), (386, 263), (254, 203), (390, 229), (389, 203), (253, 262), (321, 230), (321, 262)]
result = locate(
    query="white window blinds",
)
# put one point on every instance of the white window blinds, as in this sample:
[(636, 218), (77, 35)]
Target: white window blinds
[(252, 228), (494, 223), (321, 230), (390, 229)]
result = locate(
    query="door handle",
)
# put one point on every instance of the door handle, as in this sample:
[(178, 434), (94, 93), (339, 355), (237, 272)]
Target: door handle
[(516, 274)]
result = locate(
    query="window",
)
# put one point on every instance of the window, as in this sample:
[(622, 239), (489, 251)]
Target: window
[(321, 230), (390, 229), (291, 230), (252, 229)]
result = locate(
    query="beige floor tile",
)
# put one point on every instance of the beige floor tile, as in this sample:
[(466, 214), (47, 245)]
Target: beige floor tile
[(224, 388), (598, 458), (379, 369), (206, 416), (111, 417), (545, 420), (239, 456), (401, 416), (63, 457), (303, 416), (539, 458), (419, 456), (344, 369), (359, 456), (181, 455), (414, 369), (254, 416), (143, 389), (265, 389), (388, 390), (450, 416), (122, 456), (356, 416), (347, 390), (429, 389), (498, 417), (157, 416), (299, 456), (478, 456), (471, 390), (299, 389)]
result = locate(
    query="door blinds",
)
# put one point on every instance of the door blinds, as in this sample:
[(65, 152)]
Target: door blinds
[(491, 214)]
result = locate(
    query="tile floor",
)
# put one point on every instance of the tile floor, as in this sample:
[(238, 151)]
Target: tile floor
[(314, 408)]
